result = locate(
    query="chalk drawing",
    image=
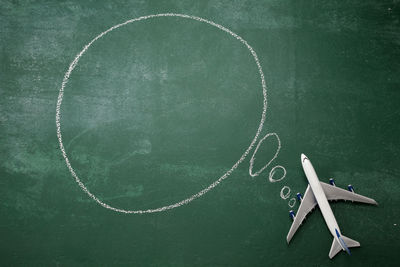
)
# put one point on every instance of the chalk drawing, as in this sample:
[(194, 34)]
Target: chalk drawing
[(292, 202), (272, 172), (287, 194), (74, 63), (252, 159)]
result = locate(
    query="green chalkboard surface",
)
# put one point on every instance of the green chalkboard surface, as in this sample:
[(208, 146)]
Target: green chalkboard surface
[(169, 133)]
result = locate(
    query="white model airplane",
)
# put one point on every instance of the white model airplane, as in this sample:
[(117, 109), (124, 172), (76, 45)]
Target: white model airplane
[(318, 193)]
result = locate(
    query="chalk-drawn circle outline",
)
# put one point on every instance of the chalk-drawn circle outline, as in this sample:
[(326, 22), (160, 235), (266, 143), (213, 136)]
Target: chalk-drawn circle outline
[(212, 185), (292, 202), (287, 195)]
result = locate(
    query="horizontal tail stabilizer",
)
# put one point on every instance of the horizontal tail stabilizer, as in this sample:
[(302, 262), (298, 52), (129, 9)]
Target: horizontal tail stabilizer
[(336, 247), (350, 242)]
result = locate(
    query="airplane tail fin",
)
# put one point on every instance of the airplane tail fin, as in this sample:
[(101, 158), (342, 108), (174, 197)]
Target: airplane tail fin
[(345, 244)]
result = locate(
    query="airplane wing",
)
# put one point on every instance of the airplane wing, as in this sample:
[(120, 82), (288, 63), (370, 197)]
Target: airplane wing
[(307, 204), (336, 193)]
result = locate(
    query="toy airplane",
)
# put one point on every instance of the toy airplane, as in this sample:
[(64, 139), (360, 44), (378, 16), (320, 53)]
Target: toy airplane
[(318, 193)]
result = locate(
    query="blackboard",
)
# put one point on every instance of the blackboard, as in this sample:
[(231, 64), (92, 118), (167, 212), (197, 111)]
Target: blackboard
[(168, 112)]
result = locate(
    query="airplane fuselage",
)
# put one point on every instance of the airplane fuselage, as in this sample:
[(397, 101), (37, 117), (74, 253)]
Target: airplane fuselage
[(320, 196)]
